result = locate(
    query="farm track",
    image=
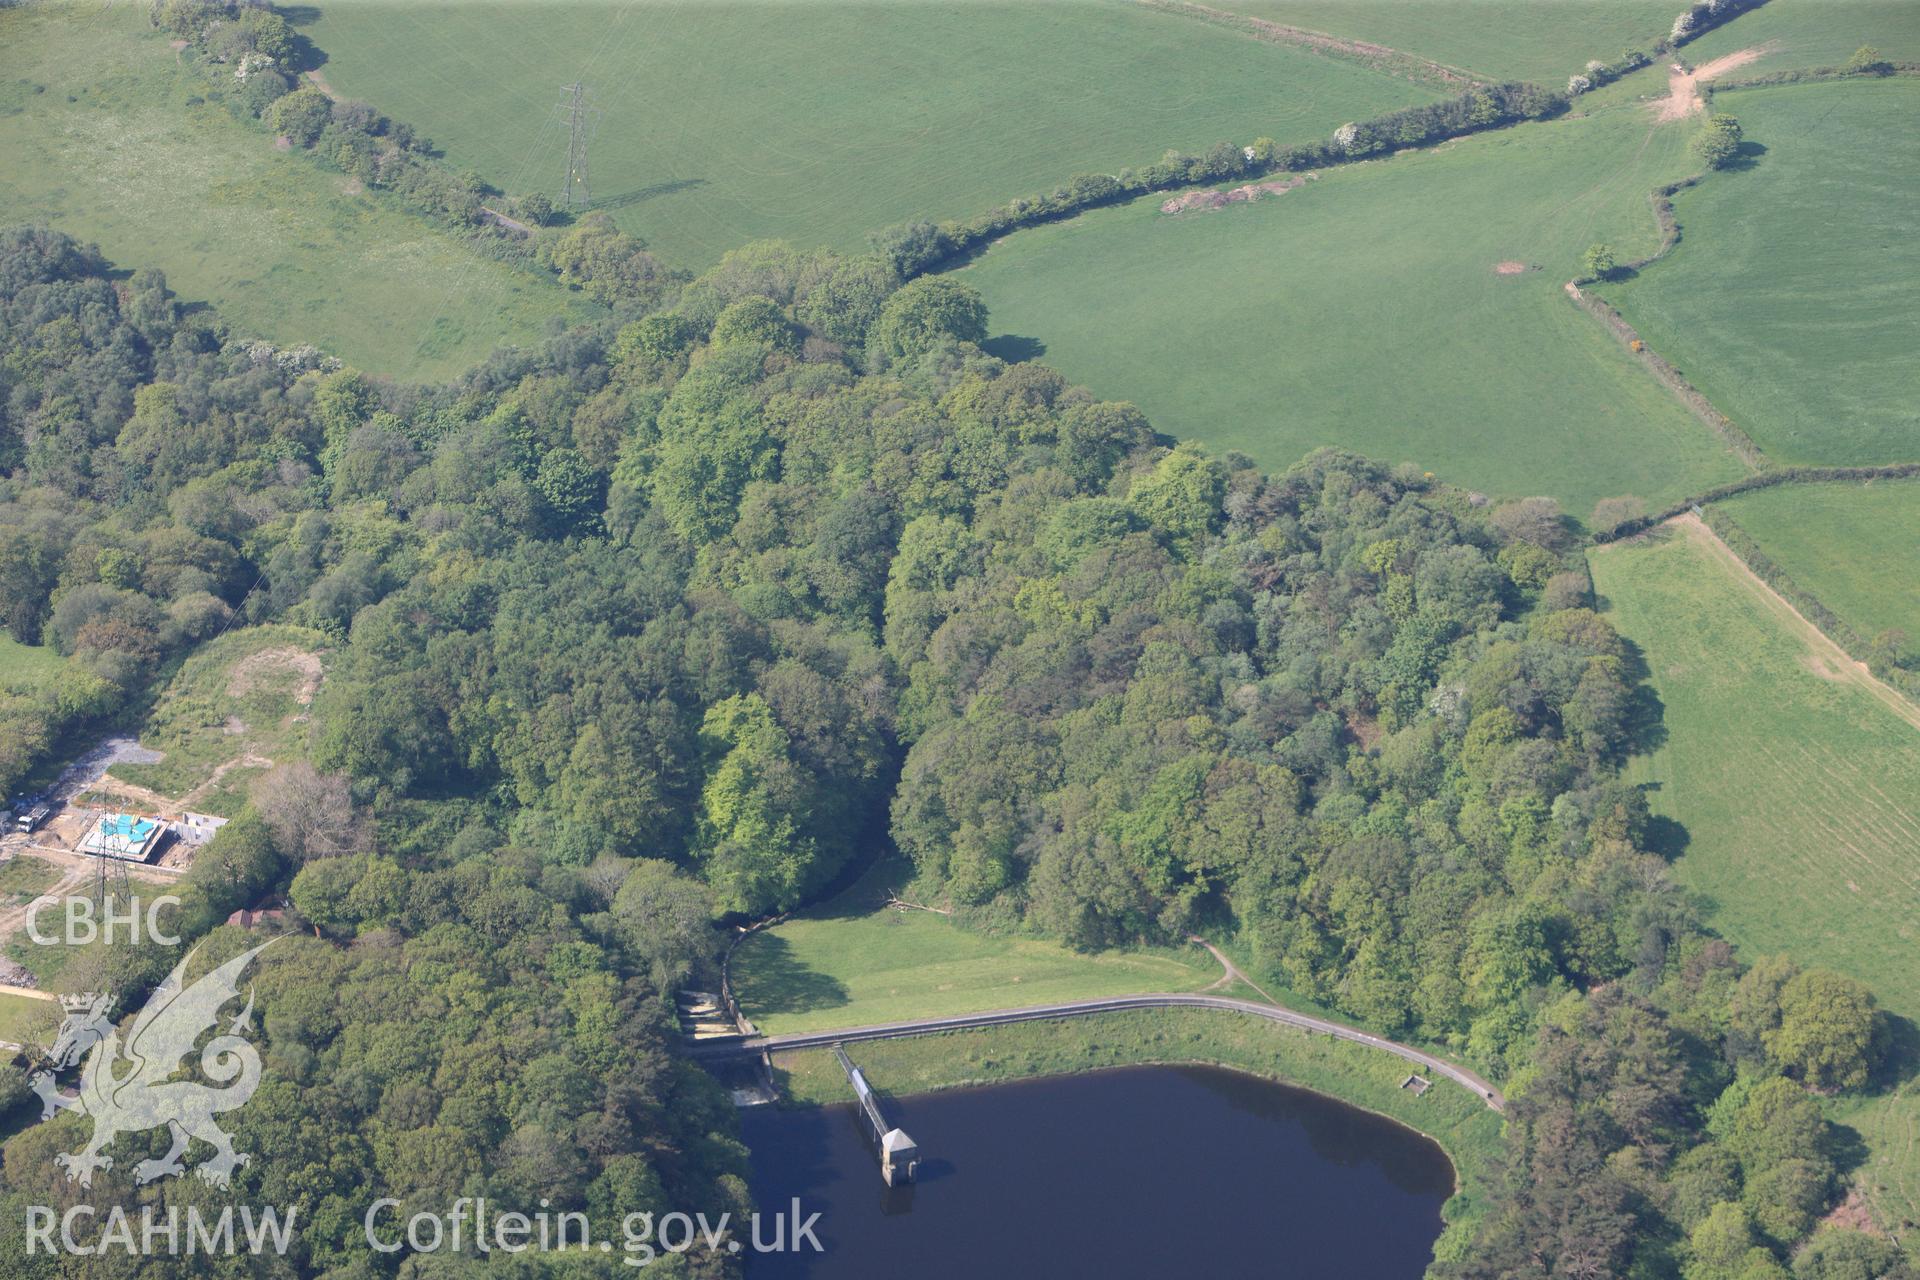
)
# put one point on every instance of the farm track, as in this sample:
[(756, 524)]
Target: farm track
[(1376, 57), (1683, 87), (1839, 665)]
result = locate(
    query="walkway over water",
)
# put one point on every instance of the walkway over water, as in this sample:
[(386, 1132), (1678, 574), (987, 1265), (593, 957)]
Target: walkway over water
[(899, 1157)]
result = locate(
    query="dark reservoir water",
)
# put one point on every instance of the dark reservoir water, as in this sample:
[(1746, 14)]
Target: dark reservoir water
[(1140, 1172)]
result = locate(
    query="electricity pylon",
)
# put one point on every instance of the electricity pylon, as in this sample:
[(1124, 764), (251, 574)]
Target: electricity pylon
[(576, 190)]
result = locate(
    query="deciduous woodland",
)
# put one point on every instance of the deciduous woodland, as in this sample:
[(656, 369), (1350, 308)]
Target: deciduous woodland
[(682, 618), (737, 584)]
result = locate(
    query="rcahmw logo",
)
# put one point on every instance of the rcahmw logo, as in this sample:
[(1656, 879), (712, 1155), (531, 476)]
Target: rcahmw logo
[(129, 1088)]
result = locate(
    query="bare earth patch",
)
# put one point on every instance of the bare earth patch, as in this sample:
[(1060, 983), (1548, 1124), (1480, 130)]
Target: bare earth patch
[(282, 143), (1818, 665), (1683, 93), (1511, 268), (256, 668), (1209, 200), (1855, 1213), (319, 82)]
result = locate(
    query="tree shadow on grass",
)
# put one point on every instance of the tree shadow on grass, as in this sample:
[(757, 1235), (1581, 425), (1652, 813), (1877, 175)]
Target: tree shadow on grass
[(1898, 1066), (862, 890), (1846, 1146), (654, 192), (1900, 1055), (1747, 157), (1014, 348), (771, 979), (1667, 838), (1646, 715)]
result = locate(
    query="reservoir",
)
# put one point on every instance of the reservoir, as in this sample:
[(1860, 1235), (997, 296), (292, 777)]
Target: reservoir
[(1135, 1172)]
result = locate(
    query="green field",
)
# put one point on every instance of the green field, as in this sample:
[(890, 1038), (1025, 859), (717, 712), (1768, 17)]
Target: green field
[(100, 142), (25, 667), (24, 877), (1852, 547), (1799, 792), (1364, 310), (855, 962), (1812, 33), (1498, 39), (24, 1020), (236, 707), (817, 121), (1788, 301)]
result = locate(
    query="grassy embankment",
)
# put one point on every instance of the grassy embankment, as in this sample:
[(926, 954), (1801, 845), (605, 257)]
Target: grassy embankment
[(818, 122), (1788, 300), (1367, 309), (1453, 1117), (1795, 787), (103, 140), (856, 961)]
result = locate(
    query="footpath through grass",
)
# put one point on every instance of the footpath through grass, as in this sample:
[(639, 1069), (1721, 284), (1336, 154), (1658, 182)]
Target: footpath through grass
[(1453, 1117), (100, 141), (1497, 39), (1853, 547), (817, 121), (857, 962), (1367, 309), (1789, 300), (1796, 797)]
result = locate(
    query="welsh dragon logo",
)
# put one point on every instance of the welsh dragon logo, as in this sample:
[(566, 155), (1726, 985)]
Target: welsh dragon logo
[(130, 1089)]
